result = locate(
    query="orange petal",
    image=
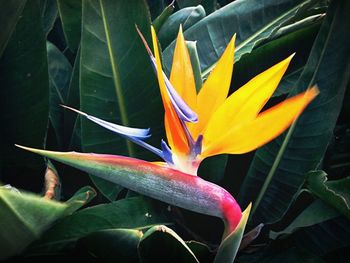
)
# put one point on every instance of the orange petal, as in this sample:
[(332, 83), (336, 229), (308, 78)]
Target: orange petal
[(182, 77), (215, 89), (268, 125), (245, 104), (174, 130)]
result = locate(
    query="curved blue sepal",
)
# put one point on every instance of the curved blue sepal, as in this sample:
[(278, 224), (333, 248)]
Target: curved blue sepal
[(184, 112), (133, 134), (122, 130)]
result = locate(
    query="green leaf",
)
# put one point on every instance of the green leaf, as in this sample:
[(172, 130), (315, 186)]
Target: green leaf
[(160, 242), (71, 120), (336, 193), (24, 217), (70, 14), (317, 212), (216, 30), (112, 244), (159, 21), (228, 248), (300, 24), (136, 213), (209, 5), (10, 12), (83, 196), (325, 237), (116, 76), (48, 10), (60, 72), (202, 252), (278, 169), (24, 97), (196, 67), (156, 7), (108, 189), (186, 17), (187, 3)]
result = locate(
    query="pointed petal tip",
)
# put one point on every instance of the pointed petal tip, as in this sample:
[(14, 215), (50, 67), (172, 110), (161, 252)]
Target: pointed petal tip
[(233, 38), (288, 59), (231, 44), (313, 91), (75, 110), (153, 31)]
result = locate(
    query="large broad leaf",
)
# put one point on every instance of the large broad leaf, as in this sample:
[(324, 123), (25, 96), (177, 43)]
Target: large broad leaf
[(117, 82), (160, 242), (24, 217), (137, 213), (278, 169), (71, 120), (209, 5), (112, 244), (335, 193), (202, 251), (186, 17), (253, 22), (156, 7), (315, 213), (48, 10), (70, 14), (325, 237), (24, 98), (10, 12), (60, 72), (160, 20), (196, 67)]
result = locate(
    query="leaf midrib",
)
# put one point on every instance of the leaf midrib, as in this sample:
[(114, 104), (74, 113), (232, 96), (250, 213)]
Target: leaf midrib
[(18, 216), (116, 79)]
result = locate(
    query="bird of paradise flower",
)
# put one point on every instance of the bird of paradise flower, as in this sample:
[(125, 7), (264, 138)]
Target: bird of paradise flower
[(197, 126)]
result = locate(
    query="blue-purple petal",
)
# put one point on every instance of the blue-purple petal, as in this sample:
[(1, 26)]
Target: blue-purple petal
[(135, 135), (197, 149), (122, 130), (166, 153), (127, 131)]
